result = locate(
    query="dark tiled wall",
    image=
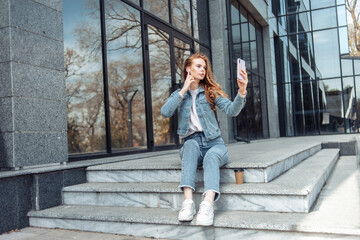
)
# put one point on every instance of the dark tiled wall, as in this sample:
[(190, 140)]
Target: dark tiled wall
[(19, 195)]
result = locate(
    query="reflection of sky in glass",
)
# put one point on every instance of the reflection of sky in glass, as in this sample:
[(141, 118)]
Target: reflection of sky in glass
[(324, 18), (322, 3), (74, 13), (115, 26), (327, 53), (341, 15), (347, 67), (344, 41)]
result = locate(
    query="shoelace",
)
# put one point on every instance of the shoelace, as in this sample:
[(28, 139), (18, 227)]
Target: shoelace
[(204, 209)]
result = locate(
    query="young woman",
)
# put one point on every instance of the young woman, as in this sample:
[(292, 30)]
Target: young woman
[(198, 127)]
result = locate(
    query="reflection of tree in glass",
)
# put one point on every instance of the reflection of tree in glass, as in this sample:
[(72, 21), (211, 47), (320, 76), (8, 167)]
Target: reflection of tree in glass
[(353, 8), (84, 105), (85, 99)]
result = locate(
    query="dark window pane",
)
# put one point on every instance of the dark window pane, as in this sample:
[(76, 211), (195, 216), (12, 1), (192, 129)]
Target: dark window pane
[(254, 59), (327, 53), (295, 69), (310, 107), (252, 29), (135, 1), (243, 14), (331, 109), (288, 104), (181, 51), (126, 89), (299, 109), (181, 17), (349, 105), (260, 52), (357, 86), (324, 18), (246, 54), (235, 31), (244, 32), (201, 21), (305, 48), (235, 12), (203, 49), (237, 52), (84, 77), (159, 8), (297, 6), (160, 74), (299, 22)]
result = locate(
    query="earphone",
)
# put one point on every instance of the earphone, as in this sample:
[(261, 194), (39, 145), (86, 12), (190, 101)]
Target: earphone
[(188, 70)]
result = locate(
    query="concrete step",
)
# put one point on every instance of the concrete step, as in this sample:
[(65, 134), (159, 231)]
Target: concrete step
[(264, 166), (163, 223), (293, 191)]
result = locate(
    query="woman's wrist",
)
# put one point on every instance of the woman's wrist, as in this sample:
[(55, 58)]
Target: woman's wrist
[(242, 94)]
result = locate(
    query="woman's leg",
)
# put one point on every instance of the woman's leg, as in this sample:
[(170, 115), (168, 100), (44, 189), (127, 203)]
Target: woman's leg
[(190, 154), (215, 157), (188, 193)]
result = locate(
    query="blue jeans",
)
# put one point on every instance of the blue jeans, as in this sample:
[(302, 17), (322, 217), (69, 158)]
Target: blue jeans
[(211, 154)]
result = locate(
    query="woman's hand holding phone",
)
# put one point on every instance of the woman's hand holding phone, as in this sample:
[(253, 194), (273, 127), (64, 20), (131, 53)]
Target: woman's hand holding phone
[(242, 78)]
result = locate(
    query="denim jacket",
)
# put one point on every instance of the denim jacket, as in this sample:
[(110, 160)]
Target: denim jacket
[(203, 108)]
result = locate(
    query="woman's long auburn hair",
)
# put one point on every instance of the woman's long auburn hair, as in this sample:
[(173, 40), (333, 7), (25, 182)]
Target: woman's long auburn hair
[(212, 88)]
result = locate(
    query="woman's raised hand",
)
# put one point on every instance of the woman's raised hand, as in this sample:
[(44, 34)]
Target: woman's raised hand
[(188, 81), (243, 83)]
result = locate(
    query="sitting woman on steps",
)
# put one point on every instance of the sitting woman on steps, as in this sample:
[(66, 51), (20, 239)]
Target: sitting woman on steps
[(203, 145)]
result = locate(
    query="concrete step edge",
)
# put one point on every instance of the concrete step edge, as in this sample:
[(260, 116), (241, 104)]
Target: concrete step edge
[(232, 164), (290, 222)]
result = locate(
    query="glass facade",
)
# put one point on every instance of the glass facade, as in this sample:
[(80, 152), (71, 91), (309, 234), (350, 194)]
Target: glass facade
[(316, 80), (246, 42), (123, 58)]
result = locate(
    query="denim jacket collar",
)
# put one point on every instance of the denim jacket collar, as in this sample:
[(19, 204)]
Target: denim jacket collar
[(201, 89)]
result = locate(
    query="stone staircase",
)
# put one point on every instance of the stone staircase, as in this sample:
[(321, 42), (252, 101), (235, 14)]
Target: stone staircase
[(142, 197)]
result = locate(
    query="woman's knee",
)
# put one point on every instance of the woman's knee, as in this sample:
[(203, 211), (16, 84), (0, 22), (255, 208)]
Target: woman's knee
[(217, 154), (190, 146)]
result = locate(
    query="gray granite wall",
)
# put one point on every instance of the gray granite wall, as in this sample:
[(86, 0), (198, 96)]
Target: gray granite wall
[(36, 191), (32, 94), (220, 61)]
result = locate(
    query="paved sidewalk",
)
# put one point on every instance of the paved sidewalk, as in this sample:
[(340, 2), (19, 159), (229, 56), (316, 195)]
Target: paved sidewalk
[(32, 233)]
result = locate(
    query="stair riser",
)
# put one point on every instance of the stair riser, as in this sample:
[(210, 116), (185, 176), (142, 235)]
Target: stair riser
[(180, 231), (251, 175), (268, 203), (123, 176), (276, 170), (317, 188)]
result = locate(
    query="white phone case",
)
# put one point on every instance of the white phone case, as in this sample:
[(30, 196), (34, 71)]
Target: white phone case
[(240, 66)]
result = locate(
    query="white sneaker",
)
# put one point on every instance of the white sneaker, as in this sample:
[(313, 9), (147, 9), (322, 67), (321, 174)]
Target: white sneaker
[(205, 216), (187, 211)]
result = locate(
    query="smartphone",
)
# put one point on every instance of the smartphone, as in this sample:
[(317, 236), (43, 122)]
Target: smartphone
[(240, 67)]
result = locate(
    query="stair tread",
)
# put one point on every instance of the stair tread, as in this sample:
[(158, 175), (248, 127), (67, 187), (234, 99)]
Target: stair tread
[(240, 157), (225, 219), (299, 180)]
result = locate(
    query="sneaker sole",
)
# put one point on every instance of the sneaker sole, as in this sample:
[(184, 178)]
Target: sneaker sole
[(204, 223)]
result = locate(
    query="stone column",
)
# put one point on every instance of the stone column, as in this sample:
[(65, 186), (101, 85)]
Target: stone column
[(33, 122), (220, 61)]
